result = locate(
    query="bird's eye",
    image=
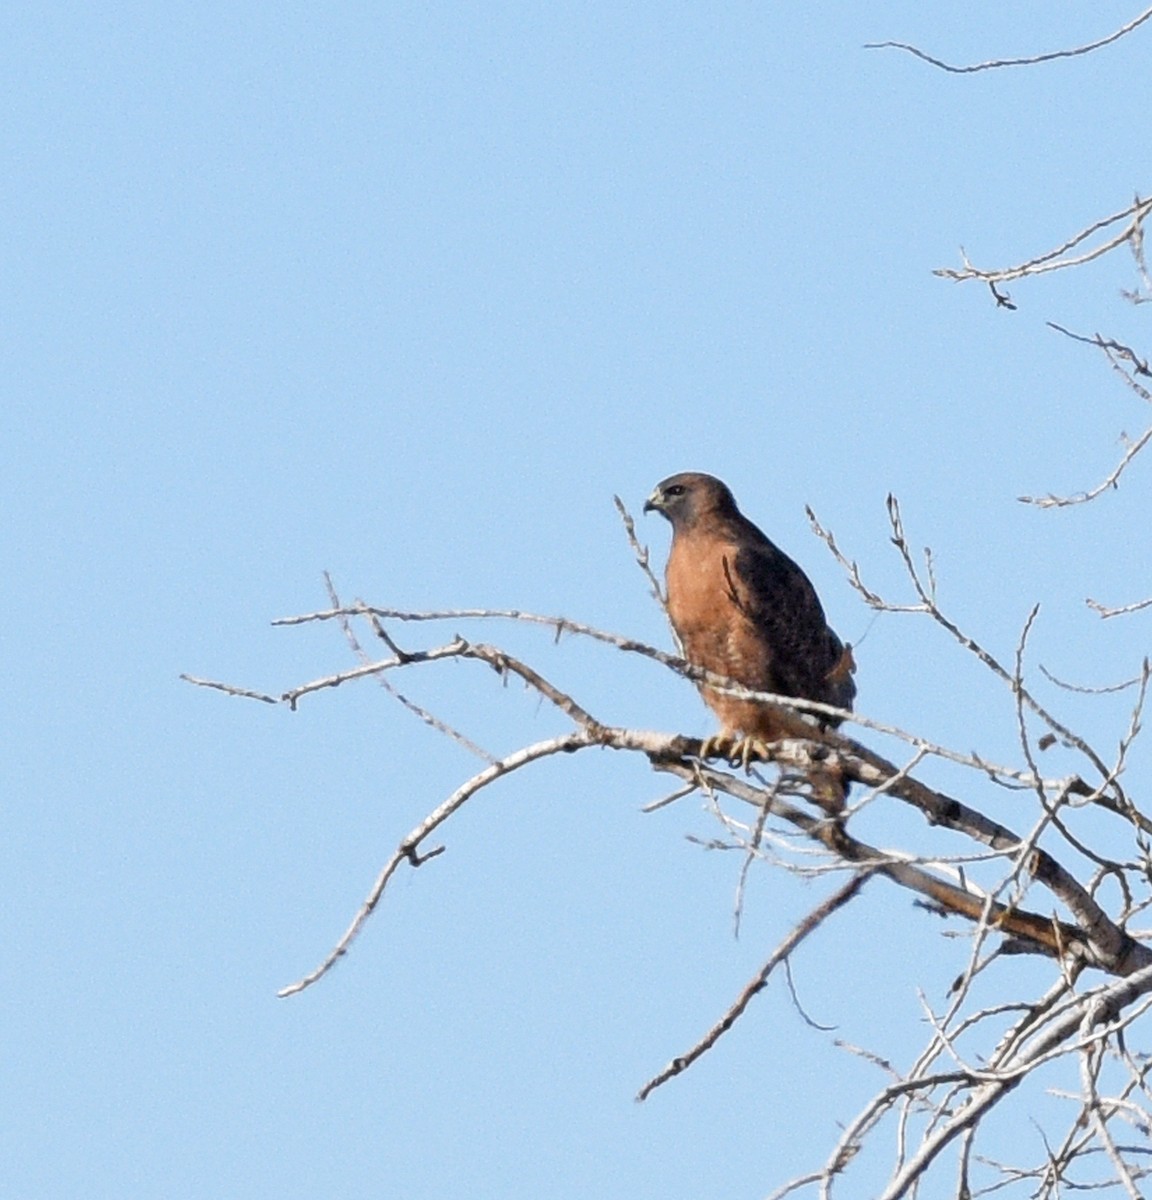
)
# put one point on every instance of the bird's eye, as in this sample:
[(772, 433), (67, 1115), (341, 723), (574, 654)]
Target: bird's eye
[(677, 489)]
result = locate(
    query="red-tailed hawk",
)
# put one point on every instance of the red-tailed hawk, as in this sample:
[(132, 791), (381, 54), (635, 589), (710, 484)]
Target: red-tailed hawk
[(743, 609)]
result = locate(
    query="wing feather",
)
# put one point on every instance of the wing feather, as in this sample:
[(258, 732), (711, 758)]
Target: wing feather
[(778, 600)]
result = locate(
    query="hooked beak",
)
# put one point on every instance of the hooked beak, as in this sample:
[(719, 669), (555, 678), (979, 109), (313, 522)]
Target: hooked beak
[(654, 503)]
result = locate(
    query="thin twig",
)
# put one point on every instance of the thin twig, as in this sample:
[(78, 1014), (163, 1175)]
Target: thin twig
[(641, 553), (1106, 689), (230, 689), (1123, 610), (1105, 485), (402, 656), (758, 982), (1029, 61), (409, 849), (1139, 365)]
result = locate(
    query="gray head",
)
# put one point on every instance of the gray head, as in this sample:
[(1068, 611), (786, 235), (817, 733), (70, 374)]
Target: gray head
[(685, 498)]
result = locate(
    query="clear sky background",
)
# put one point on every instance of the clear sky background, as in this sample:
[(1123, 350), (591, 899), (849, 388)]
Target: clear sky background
[(407, 292)]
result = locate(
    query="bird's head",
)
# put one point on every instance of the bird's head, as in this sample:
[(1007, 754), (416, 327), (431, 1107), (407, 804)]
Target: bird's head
[(687, 497)]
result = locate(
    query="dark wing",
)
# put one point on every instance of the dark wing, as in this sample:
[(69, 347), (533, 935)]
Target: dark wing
[(807, 659)]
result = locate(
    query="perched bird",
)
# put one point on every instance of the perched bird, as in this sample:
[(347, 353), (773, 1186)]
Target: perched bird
[(743, 609)]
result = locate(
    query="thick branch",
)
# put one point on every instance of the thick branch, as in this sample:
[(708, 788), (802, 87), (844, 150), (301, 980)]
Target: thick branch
[(1098, 940)]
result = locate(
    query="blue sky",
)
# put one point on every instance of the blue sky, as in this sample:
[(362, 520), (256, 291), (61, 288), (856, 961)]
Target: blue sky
[(406, 293)]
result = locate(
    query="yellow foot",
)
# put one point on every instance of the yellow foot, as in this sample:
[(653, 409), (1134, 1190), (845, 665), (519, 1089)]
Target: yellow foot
[(719, 745), (736, 751)]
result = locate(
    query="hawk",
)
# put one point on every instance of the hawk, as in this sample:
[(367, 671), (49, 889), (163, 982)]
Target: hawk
[(743, 609)]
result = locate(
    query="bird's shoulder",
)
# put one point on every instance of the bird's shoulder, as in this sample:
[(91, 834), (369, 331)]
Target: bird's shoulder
[(770, 576)]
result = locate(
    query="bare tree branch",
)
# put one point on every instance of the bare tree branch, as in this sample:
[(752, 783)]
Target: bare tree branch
[(1061, 258), (759, 981), (1139, 365), (1101, 1009), (640, 552), (409, 849), (1029, 61), (1128, 364), (1122, 610), (417, 710)]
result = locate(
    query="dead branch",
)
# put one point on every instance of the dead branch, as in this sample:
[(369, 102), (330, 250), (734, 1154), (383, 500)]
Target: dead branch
[(409, 849), (1128, 365), (1122, 352), (1032, 60), (1104, 689), (640, 553), (925, 590), (759, 981), (1061, 258), (788, 706), (417, 710), (1122, 610), (1094, 1018)]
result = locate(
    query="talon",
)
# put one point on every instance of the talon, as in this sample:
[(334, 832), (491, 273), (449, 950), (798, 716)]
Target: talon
[(719, 745), (736, 751), (747, 749)]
